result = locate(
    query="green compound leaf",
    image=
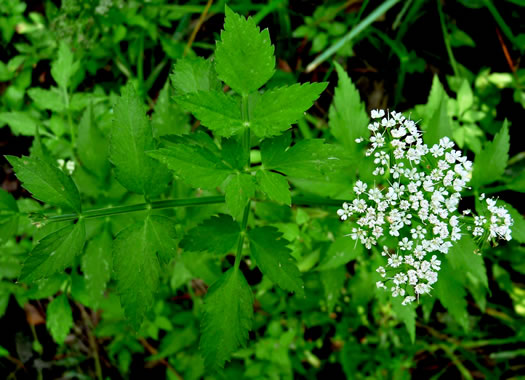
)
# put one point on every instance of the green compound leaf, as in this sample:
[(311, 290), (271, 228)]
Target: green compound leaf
[(196, 159), (64, 68), (8, 216), (244, 58), (131, 136), (438, 125), (333, 281), (92, 146), (168, 118), (450, 292), (47, 99), (269, 250), (163, 234), (227, 318), (54, 253), (491, 162), (275, 186), (407, 314), (136, 266), (96, 265), (307, 159), (239, 190), (194, 74), (348, 119), (217, 111), (217, 235), (341, 251), (59, 318), (277, 109), (46, 182)]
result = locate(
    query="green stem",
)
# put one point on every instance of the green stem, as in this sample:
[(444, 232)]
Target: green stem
[(446, 39), (240, 244), (184, 202)]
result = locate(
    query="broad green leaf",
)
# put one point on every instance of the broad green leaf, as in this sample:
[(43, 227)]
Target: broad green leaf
[(270, 251), (450, 292), (199, 165), (194, 74), (244, 57), (407, 314), (277, 109), (239, 190), (46, 182), (463, 259), (217, 111), (435, 98), (307, 159), (341, 251), (63, 68), (234, 154), (20, 123), (92, 146), (136, 266), (131, 136), (517, 183), (491, 162), (47, 99), (54, 253), (275, 186), (8, 216), (227, 318), (162, 234), (168, 118), (217, 235), (59, 318), (202, 265), (438, 125), (333, 281), (97, 263), (3, 352), (465, 97), (348, 119)]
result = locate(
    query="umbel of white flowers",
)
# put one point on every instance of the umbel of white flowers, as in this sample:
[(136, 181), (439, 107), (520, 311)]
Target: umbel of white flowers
[(419, 207)]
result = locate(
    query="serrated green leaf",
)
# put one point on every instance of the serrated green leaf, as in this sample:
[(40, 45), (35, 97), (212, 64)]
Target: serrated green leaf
[(450, 292), (438, 125), (270, 251), (348, 119), (168, 118), (463, 259), (162, 235), (227, 318), (194, 74), (307, 159), (333, 281), (517, 183), (136, 253), (92, 146), (20, 123), (435, 98), (275, 186), (239, 190), (234, 154), (47, 99), (491, 162), (54, 253), (8, 216), (341, 251), (217, 111), (277, 109), (244, 57), (63, 68), (59, 318), (131, 136), (46, 182), (96, 265), (217, 235), (407, 314), (465, 97), (199, 165)]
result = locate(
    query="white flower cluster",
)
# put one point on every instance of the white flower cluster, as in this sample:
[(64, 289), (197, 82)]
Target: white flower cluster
[(495, 225), (419, 207)]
